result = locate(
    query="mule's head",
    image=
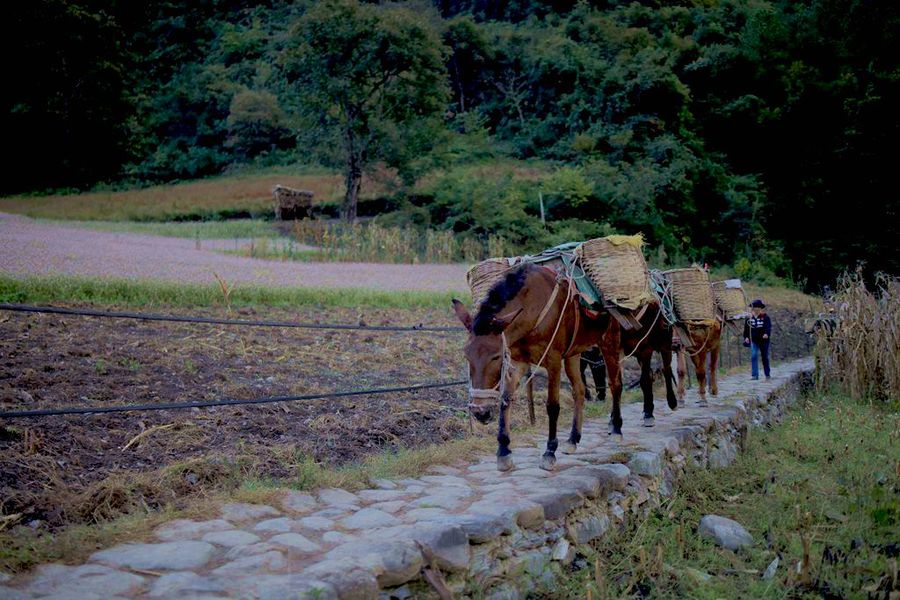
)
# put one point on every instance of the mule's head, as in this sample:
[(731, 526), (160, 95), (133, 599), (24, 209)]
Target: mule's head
[(484, 351)]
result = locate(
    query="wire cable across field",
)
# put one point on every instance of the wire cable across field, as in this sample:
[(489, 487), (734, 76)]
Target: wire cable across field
[(86, 312), (81, 410)]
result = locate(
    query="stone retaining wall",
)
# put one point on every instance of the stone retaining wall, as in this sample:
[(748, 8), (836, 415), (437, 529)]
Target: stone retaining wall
[(465, 528)]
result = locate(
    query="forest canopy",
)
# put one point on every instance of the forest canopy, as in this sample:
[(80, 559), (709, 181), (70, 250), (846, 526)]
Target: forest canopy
[(759, 134)]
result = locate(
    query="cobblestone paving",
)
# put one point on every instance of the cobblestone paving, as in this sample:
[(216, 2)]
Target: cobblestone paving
[(459, 522)]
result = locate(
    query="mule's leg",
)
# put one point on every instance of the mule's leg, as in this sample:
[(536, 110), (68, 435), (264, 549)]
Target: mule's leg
[(504, 454), (599, 373), (713, 371), (699, 361), (578, 387), (582, 367), (529, 395), (682, 373), (611, 346), (645, 359), (548, 460), (671, 398)]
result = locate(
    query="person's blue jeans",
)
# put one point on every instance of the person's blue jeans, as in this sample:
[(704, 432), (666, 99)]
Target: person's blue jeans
[(757, 351)]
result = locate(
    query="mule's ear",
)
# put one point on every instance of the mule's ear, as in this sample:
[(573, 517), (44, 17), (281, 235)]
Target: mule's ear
[(501, 322), (462, 314)]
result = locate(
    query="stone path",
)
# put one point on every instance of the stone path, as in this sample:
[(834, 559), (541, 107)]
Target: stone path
[(467, 527), (28, 247)]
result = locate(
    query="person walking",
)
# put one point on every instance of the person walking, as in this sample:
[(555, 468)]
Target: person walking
[(758, 335)]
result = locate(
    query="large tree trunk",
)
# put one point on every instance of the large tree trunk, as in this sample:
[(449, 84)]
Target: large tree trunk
[(353, 178), (353, 181)]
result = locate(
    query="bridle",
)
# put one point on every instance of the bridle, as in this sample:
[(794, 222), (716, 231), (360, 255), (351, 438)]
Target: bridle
[(498, 392)]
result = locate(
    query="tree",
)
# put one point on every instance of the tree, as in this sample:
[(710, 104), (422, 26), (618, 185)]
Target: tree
[(362, 72)]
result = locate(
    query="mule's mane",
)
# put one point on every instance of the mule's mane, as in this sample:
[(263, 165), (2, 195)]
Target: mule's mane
[(499, 295)]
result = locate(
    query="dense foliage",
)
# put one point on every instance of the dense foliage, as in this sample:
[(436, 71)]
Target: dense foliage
[(756, 133)]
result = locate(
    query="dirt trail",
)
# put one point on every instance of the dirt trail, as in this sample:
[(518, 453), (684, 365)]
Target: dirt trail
[(28, 247)]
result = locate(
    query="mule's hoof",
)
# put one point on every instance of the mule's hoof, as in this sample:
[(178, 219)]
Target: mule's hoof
[(505, 463), (569, 448), (673, 403), (548, 462), (649, 421)]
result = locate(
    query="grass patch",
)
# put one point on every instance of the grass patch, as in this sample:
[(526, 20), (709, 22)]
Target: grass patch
[(819, 492), (195, 230), (125, 292)]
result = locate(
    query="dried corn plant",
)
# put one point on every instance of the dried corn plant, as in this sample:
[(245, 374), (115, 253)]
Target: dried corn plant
[(857, 347)]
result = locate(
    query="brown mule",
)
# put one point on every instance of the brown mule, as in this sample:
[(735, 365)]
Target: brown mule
[(655, 335), (706, 341), (541, 324)]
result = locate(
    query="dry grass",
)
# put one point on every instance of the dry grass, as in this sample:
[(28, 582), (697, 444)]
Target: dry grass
[(860, 357), (221, 196), (374, 243)]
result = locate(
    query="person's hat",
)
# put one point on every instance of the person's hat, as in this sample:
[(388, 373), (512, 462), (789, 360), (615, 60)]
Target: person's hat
[(757, 304)]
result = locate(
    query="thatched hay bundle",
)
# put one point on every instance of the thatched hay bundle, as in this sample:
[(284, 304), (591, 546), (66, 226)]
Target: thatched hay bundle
[(482, 276), (691, 294), (730, 298), (616, 267)]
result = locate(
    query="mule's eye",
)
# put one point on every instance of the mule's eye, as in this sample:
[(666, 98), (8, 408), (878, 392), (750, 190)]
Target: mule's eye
[(495, 358)]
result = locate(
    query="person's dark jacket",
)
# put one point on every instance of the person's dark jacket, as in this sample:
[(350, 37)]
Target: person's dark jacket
[(756, 327)]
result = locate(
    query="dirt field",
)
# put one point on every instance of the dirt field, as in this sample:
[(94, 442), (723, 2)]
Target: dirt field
[(53, 468)]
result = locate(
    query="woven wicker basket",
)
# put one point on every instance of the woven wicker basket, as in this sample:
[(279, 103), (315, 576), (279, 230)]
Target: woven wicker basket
[(730, 298), (482, 276), (616, 267), (692, 294)]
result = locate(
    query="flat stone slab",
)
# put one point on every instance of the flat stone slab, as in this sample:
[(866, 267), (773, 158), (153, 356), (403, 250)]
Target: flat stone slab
[(172, 556), (187, 529), (239, 511), (369, 518), (232, 538)]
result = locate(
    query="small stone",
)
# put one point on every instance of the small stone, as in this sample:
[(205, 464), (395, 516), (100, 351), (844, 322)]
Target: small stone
[(316, 523), (423, 514), (722, 455), (771, 569), (401, 593), (174, 556), (4, 577), (558, 503), (284, 587), (381, 495), (589, 529), (335, 537), (394, 563), (335, 512), (186, 529), (434, 501), (368, 518), (725, 532), (445, 480), (8, 593), (295, 541), (86, 580), (270, 561), (530, 515), (645, 463), (349, 580), (443, 470), (384, 484), (336, 497), (561, 551), (298, 502), (389, 507), (239, 511), (279, 525), (182, 583), (251, 550), (230, 539), (446, 546)]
